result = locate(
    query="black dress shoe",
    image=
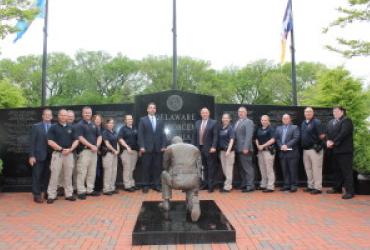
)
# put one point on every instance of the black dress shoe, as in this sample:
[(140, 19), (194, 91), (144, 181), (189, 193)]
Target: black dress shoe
[(284, 189), (136, 188), (158, 189), (307, 190), (115, 191), (81, 196), (293, 190), (145, 190), (222, 190), (50, 201), (71, 198), (261, 188), (38, 199), (316, 191), (248, 190), (93, 193), (267, 190), (210, 190), (131, 189), (203, 187), (347, 196), (334, 191), (108, 193)]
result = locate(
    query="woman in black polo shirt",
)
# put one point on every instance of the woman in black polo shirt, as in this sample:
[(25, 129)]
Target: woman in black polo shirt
[(110, 154), (226, 138), (266, 154), (127, 137)]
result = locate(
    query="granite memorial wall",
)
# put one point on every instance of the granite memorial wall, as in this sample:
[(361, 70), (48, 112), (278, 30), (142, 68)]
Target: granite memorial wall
[(179, 111)]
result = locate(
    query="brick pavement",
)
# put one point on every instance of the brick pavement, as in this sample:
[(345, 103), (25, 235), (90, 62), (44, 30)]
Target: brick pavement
[(262, 221)]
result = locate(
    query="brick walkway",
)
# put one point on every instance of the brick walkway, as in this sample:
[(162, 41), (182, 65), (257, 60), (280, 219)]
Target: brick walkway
[(262, 221)]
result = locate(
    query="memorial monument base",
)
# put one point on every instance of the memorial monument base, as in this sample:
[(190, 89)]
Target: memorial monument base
[(156, 227)]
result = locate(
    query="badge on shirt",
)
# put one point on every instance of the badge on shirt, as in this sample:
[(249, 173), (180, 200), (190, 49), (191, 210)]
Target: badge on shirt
[(69, 131)]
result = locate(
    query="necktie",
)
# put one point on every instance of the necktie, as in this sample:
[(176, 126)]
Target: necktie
[(285, 129), (201, 134), (152, 118), (237, 124), (46, 127)]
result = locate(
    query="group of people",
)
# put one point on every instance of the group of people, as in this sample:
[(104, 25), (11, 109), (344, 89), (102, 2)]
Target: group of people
[(67, 154)]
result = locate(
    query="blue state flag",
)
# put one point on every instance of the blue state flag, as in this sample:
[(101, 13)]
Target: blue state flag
[(286, 29), (23, 25)]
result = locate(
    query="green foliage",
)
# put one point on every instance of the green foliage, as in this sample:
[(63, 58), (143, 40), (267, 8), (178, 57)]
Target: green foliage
[(338, 87), (12, 10), (95, 77), (357, 12), (10, 95)]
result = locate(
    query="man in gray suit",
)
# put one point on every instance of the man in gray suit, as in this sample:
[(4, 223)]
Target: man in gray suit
[(244, 129), (287, 139)]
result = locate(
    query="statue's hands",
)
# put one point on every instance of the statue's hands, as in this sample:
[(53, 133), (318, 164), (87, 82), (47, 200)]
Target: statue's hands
[(32, 161), (212, 150)]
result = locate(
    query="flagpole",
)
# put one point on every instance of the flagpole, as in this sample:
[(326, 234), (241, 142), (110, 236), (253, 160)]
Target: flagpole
[(44, 56), (174, 55), (294, 73)]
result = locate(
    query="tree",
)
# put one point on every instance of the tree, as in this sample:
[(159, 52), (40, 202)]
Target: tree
[(10, 12), (24, 73), (357, 12), (338, 87), (10, 95)]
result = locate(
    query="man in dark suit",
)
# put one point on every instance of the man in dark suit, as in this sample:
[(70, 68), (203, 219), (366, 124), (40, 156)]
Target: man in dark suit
[(205, 138), (287, 139), (39, 158), (152, 143), (340, 147)]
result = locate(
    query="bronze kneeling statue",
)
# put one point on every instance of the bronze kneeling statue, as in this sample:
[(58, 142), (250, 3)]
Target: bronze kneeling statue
[(182, 163)]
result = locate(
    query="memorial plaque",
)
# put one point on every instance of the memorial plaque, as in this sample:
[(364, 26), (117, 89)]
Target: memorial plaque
[(178, 110)]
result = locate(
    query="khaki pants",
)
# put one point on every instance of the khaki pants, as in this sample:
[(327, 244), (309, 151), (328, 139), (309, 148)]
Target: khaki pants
[(129, 163), (313, 165), (266, 165), (86, 171), (227, 163), (60, 163), (74, 174), (110, 172)]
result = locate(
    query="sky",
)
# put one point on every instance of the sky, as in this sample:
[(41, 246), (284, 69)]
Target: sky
[(223, 32)]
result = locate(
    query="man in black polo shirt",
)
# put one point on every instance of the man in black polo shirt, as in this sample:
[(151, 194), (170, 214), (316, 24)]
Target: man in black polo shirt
[(90, 139), (312, 144), (62, 141)]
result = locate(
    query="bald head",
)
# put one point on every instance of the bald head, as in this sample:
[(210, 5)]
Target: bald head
[(286, 119)]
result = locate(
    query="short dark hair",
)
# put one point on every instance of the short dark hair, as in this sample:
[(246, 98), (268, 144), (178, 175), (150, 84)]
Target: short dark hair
[(109, 120), (151, 103), (205, 108), (125, 116), (339, 107)]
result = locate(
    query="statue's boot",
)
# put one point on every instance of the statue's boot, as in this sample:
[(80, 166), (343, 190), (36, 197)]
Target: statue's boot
[(166, 205), (195, 209)]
